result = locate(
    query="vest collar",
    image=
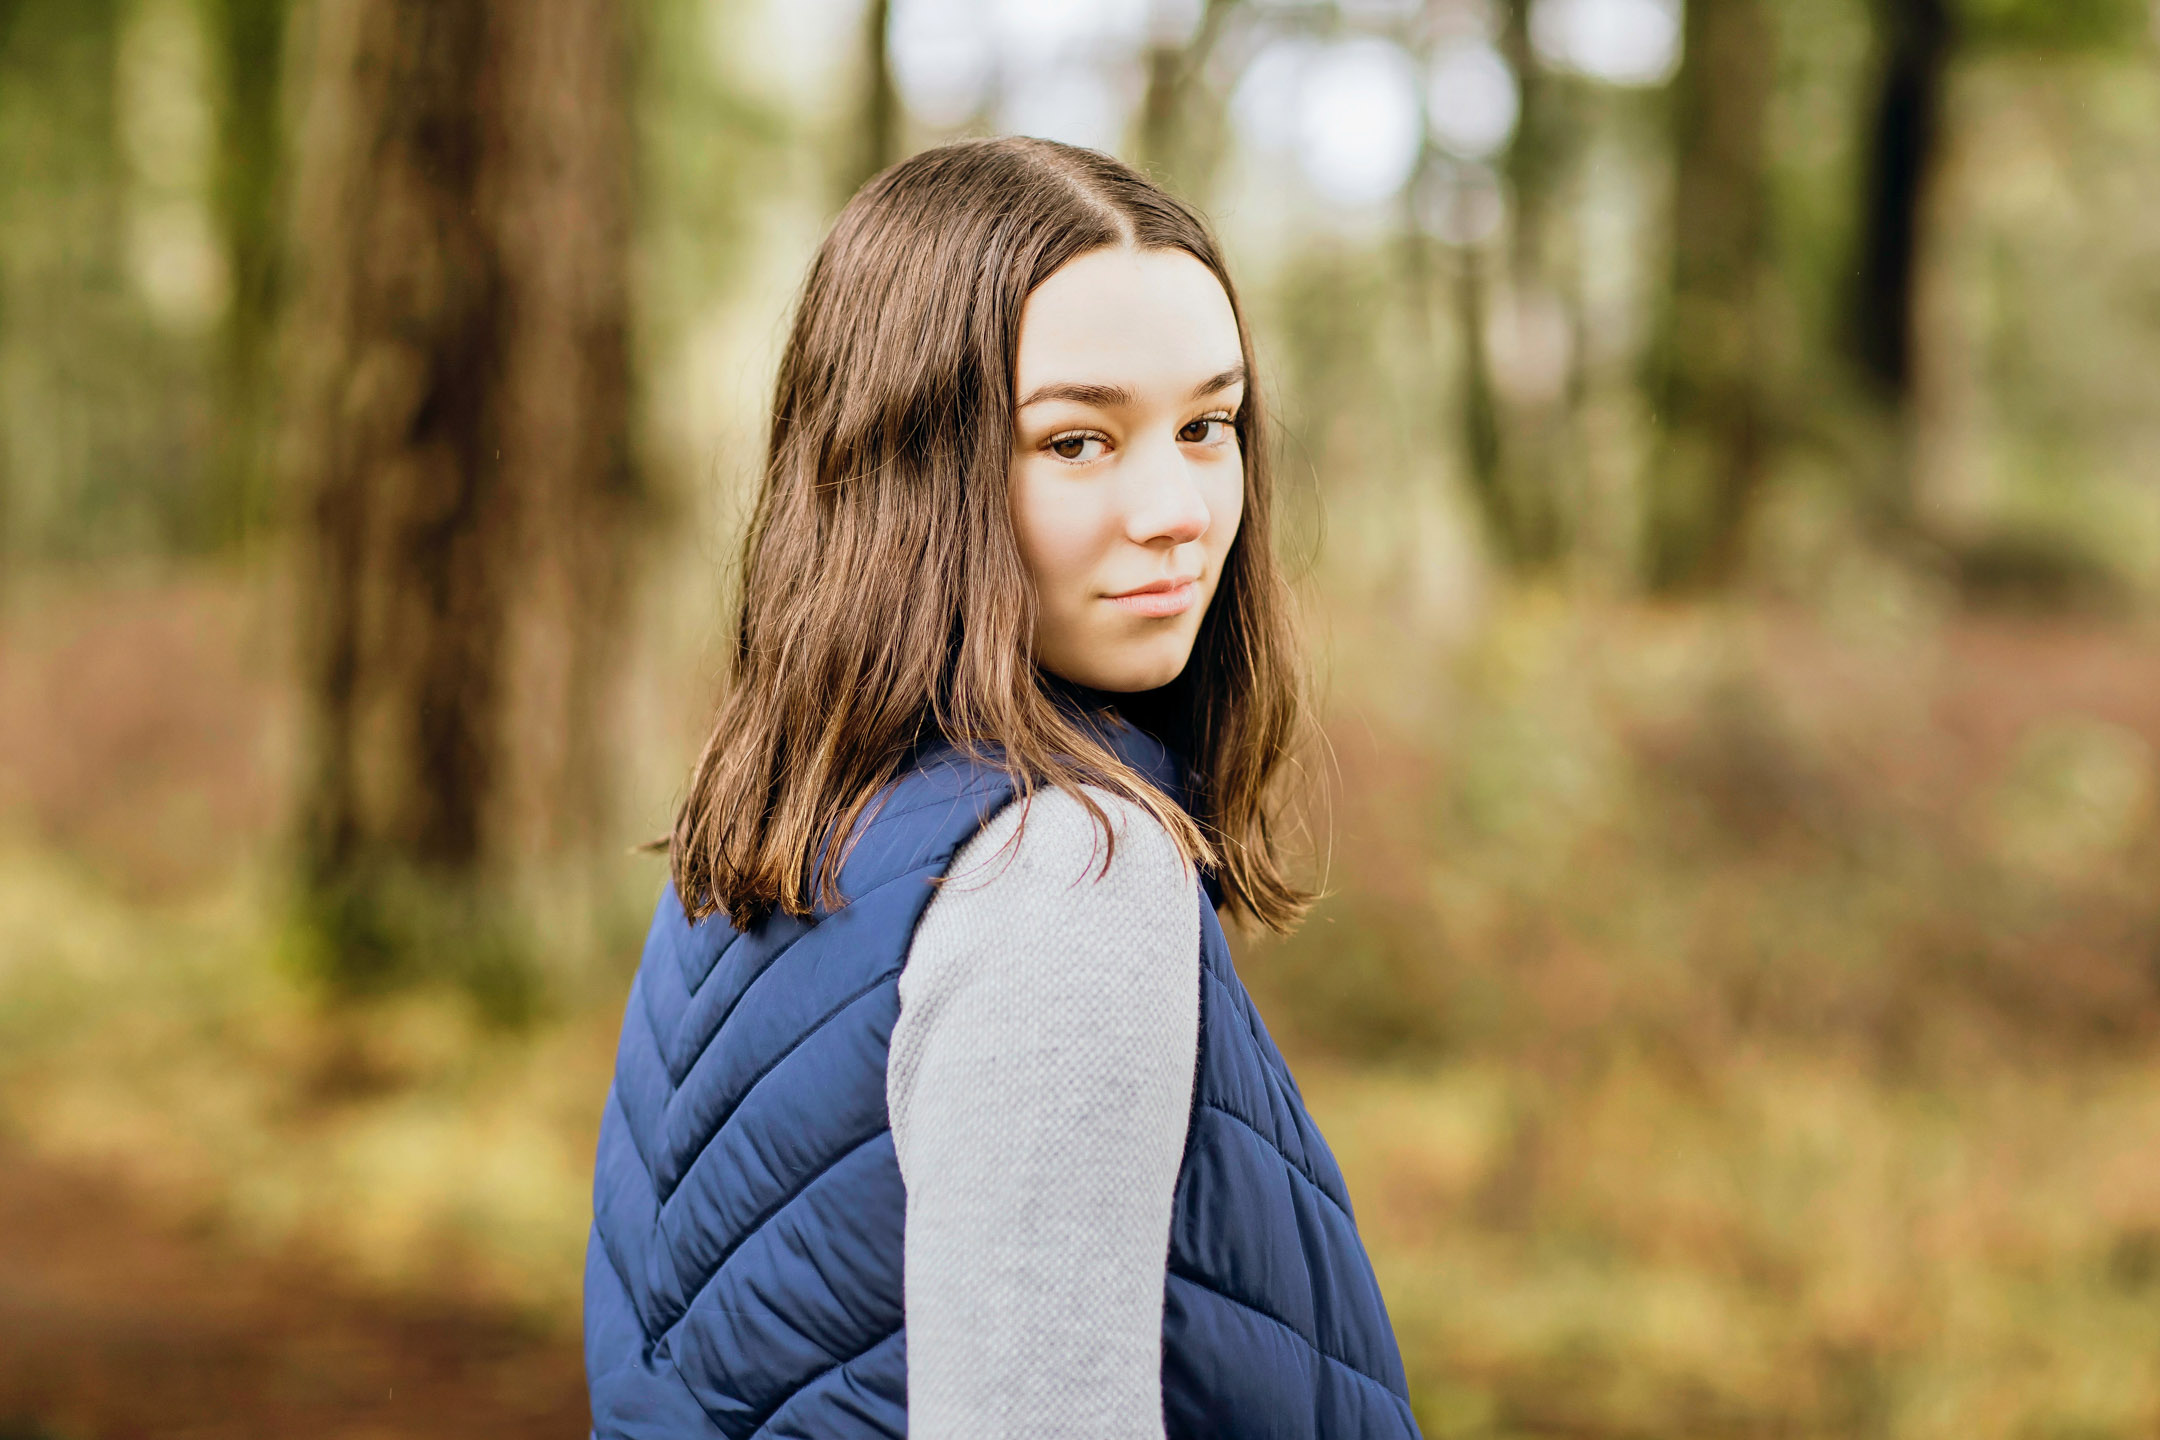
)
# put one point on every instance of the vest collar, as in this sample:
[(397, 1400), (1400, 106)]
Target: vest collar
[(1097, 712)]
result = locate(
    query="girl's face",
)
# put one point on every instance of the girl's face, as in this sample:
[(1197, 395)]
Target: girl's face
[(1127, 484)]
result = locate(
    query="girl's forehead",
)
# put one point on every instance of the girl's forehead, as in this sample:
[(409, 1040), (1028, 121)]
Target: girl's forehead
[(1126, 317)]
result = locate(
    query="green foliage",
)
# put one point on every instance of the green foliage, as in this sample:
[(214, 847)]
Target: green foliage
[(1687, 834), (1355, 381), (102, 404), (1769, 1245), (384, 929), (1739, 950), (411, 1141), (2054, 25), (709, 157), (248, 40), (2036, 570)]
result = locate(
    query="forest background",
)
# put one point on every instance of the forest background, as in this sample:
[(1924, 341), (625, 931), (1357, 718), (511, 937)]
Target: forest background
[(1721, 451)]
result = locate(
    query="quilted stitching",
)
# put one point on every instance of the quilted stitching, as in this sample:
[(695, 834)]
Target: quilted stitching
[(749, 1230), (1201, 1282)]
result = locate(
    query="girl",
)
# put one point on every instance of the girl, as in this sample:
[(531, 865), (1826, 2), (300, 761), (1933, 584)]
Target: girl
[(939, 1104)]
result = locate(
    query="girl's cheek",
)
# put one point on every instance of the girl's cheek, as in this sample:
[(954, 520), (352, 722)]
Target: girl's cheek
[(1078, 525), (1060, 528), (1226, 507)]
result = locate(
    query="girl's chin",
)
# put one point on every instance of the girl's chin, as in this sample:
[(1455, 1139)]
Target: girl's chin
[(1130, 671)]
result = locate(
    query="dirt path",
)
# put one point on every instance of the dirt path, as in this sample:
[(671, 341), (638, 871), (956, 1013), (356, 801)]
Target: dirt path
[(115, 1325)]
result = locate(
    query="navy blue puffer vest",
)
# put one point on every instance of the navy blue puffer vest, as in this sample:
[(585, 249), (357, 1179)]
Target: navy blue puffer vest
[(744, 1273)]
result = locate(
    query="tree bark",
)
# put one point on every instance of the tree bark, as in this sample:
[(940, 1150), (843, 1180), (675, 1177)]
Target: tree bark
[(1904, 141), (1534, 157), (1711, 354), (462, 440), (1173, 140), (1531, 440), (1480, 418), (878, 121)]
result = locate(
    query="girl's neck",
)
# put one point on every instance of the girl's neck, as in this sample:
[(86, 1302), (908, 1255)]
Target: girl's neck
[(1085, 698)]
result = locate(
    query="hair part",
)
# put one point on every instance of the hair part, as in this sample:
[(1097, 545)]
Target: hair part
[(884, 602)]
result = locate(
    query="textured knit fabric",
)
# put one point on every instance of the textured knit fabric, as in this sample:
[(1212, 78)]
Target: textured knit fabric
[(745, 1272), (1039, 1085)]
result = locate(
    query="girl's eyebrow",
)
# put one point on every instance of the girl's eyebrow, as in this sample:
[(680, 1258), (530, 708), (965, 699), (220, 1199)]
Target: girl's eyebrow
[(1102, 397), (1235, 375), (1112, 397)]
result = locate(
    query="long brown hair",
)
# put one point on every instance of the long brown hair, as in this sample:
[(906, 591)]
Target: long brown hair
[(884, 601)]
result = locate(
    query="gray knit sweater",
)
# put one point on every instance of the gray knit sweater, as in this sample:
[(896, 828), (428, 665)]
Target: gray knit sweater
[(1039, 1080)]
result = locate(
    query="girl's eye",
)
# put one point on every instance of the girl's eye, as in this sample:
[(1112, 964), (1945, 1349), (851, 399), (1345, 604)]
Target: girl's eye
[(1076, 447), (1205, 431)]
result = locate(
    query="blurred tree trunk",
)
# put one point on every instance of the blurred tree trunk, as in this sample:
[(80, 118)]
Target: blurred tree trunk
[(1480, 417), (1513, 441), (10, 11), (1177, 141), (1710, 357), (248, 41), (63, 281), (1534, 157), (878, 121), (1528, 441), (462, 437), (1516, 514), (1904, 141)]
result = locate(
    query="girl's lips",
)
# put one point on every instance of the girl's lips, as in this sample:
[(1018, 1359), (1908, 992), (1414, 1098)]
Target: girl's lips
[(1159, 604)]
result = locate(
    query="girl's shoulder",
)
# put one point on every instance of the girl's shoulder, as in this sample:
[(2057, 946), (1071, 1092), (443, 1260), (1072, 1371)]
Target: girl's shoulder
[(1057, 927), (1058, 850), (1060, 911)]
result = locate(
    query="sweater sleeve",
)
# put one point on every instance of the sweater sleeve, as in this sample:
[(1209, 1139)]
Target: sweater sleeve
[(1039, 1084)]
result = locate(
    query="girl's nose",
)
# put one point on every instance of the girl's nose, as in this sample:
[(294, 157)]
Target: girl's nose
[(1164, 504)]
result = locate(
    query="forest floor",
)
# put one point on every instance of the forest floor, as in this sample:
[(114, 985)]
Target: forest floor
[(1730, 1022), (118, 1321), (145, 1288)]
